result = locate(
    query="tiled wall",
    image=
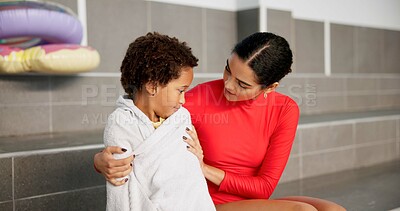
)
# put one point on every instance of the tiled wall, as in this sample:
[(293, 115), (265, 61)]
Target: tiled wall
[(51, 181), (327, 147), (365, 69), (32, 104)]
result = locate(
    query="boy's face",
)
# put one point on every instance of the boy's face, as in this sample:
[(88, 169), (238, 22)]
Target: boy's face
[(172, 96)]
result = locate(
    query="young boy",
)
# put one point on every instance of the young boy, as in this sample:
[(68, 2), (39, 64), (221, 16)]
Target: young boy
[(149, 123)]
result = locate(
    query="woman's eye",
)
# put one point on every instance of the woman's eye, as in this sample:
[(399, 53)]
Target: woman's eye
[(181, 91), (241, 86), (226, 69)]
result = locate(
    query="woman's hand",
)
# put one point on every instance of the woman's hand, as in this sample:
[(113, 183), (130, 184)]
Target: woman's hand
[(211, 173), (194, 145), (111, 168)]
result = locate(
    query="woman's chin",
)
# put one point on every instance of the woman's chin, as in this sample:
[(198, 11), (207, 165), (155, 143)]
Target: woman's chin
[(230, 97)]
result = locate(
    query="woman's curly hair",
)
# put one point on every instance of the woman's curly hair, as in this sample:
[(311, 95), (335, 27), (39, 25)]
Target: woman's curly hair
[(154, 58)]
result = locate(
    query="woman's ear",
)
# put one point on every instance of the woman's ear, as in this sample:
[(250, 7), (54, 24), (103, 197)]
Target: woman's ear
[(271, 87), (151, 88)]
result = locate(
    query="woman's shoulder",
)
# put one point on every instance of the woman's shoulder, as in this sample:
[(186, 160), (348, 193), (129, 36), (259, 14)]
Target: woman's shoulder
[(202, 93), (284, 102), (282, 99), (209, 86)]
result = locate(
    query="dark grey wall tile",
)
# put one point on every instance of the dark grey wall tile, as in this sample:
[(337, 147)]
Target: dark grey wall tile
[(389, 83), (326, 137), (389, 101), (369, 50), (328, 162), (50, 173), (82, 117), (309, 46), (112, 25), (391, 61), (182, 22), (89, 199), (342, 49), (85, 90), (6, 206), (327, 85), (247, 22), (24, 120), (292, 170), (50, 141), (72, 4), (316, 104), (24, 89), (362, 84), (361, 102), (281, 23), (221, 38), (371, 155), (375, 131), (5, 179)]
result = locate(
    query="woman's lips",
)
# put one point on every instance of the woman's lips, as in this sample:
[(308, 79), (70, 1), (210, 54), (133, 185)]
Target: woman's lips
[(228, 92)]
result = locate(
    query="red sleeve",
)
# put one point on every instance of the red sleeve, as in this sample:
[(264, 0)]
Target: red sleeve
[(263, 184)]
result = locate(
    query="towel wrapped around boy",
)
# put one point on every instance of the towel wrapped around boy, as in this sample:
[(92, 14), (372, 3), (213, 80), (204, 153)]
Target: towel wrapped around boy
[(165, 176)]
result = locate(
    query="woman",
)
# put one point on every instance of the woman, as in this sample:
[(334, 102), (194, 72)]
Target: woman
[(245, 129)]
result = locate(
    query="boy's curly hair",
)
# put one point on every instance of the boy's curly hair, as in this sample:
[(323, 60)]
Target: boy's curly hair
[(154, 58)]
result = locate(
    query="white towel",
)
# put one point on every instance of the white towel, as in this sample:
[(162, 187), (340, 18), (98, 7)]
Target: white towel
[(166, 175)]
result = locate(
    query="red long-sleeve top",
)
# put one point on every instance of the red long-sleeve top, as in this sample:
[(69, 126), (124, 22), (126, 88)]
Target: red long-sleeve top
[(249, 140)]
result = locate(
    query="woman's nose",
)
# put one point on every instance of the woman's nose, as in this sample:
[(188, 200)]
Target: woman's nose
[(229, 84)]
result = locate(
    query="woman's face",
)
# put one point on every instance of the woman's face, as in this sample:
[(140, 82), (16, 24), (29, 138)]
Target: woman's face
[(171, 97), (240, 80)]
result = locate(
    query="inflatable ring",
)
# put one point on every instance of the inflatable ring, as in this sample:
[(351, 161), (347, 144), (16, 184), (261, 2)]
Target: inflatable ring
[(50, 26), (56, 58), (25, 24)]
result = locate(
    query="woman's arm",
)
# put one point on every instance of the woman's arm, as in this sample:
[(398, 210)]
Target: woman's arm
[(264, 182), (111, 168)]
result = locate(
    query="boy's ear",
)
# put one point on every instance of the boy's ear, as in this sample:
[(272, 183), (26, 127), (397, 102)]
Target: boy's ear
[(151, 88), (271, 87)]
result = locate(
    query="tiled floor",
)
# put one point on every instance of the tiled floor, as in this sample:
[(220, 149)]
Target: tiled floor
[(374, 188)]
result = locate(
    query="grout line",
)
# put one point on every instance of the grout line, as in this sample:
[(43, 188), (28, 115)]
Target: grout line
[(353, 146), (398, 138), (60, 192), (293, 75), (50, 105), (349, 121), (50, 151), (346, 75), (12, 182), (262, 21), (327, 48), (83, 19), (204, 39), (354, 136), (148, 9), (300, 155)]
